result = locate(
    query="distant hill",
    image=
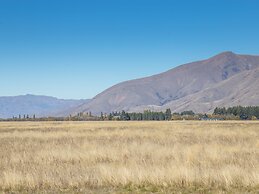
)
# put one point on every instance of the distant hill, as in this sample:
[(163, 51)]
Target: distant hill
[(226, 79), (38, 105)]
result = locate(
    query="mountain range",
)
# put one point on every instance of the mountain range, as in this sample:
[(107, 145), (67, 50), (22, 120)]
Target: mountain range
[(41, 106), (227, 79)]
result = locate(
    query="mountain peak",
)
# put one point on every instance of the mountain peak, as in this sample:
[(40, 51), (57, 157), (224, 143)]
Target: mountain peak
[(226, 54)]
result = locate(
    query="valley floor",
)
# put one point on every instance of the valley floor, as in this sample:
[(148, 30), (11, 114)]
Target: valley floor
[(129, 157)]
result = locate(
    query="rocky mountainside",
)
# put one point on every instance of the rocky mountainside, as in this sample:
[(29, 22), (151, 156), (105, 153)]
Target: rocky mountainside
[(224, 80)]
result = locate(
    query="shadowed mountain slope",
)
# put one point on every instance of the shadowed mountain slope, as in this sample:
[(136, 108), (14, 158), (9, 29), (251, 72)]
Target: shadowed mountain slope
[(241, 89)]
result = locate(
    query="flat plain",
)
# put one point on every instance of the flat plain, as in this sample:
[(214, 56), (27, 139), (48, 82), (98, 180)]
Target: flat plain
[(129, 157)]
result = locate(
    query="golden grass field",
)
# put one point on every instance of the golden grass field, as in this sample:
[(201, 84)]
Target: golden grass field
[(129, 157)]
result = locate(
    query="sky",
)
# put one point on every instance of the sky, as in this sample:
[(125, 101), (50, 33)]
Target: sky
[(75, 49)]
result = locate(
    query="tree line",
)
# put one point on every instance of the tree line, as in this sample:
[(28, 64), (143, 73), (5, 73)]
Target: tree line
[(244, 113), (231, 113), (146, 115)]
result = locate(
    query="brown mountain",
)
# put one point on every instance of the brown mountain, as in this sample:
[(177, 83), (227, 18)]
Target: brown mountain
[(224, 80)]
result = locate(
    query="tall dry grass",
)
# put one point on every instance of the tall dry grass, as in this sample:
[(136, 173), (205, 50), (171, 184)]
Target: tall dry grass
[(64, 155)]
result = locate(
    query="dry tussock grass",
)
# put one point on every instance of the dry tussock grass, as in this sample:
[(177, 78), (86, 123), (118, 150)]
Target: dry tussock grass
[(223, 156)]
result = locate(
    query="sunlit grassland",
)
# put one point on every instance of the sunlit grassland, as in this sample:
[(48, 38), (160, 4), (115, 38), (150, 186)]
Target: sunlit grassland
[(131, 157)]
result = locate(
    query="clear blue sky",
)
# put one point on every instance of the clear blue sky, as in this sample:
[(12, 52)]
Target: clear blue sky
[(76, 49)]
